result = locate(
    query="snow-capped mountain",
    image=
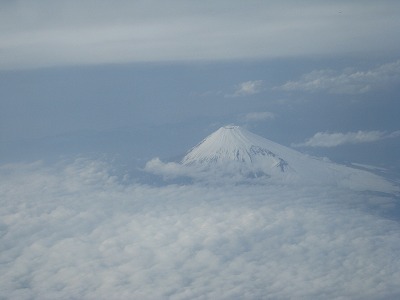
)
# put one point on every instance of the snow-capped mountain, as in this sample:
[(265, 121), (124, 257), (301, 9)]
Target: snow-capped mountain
[(234, 152), (235, 144)]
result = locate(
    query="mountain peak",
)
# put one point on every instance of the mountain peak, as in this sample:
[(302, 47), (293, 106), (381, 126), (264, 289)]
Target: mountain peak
[(235, 144), (230, 127)]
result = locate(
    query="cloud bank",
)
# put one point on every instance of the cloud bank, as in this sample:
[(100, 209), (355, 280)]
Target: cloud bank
[(74, 230), (326, 139), (349, 81), (43, 33)]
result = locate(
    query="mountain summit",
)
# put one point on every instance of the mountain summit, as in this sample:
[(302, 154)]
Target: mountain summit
[(236, 144), (234, 153)]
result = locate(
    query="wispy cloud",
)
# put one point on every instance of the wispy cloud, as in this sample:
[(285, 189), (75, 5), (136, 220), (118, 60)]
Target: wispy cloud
[(75, 231), (326, 139), (45, 33), (258, 116), (247, 88), (348, 81)]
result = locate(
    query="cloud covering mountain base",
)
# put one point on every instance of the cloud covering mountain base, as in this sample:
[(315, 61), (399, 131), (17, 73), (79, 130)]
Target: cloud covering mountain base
[(233, 154), (75, 230)]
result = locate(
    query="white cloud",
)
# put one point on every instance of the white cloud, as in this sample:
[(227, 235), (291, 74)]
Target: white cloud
[(348, 81), (230, 174), (167, 170), (248, 88), (45, 33), (300, 172), (75, 231), (326, 139), (258, 116)]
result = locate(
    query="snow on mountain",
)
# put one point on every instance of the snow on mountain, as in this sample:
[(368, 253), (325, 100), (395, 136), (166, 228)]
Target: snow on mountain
[(234, 152), (232, 143)]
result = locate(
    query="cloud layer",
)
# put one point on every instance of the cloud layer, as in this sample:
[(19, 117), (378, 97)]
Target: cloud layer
[(349, 81), (74, 230), (326, 139), (44, 33)]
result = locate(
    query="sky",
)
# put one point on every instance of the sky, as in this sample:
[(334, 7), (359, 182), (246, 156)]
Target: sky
[(48, 33), (315, 75), (90, 91)]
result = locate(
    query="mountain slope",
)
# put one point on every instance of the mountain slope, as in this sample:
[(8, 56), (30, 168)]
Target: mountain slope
[(234, 153), (232, 143), (252, 154)]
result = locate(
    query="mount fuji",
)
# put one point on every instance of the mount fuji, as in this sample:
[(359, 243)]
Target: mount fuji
[(234, 153), (235, 144)]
